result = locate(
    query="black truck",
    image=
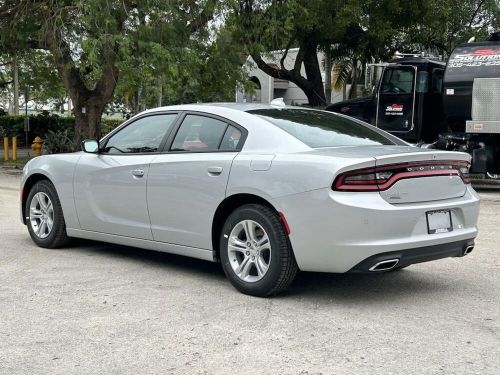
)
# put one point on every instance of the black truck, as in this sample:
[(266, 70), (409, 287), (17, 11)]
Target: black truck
[(453, 106)]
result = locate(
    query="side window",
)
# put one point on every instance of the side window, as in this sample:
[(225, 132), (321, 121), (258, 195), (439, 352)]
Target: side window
[(437, 80), (422, 81), (231, 139), (199, 133), (143, 135)]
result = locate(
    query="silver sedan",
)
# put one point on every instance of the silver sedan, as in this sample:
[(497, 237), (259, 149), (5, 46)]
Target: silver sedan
[(265, 190)]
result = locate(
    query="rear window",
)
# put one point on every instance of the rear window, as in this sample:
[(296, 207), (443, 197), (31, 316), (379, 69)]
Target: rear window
[(322, 129)]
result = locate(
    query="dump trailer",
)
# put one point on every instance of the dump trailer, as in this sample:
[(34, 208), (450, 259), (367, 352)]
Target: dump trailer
[(453, 106)]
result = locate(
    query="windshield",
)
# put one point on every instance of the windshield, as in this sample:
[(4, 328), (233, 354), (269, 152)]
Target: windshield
[(322, 129)]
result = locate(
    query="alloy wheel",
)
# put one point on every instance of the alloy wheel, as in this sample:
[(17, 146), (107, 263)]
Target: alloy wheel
[(41, 215), (249, 251)]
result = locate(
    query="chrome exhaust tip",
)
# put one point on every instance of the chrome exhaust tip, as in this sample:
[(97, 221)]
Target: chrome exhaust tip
[(385, 265), (468, 249)]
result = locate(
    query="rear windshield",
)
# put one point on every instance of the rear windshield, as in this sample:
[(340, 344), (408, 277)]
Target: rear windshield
[(322, 129)]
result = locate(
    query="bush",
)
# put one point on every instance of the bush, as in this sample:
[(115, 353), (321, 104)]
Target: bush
[(108, 124), (57, 142), (41, 124)]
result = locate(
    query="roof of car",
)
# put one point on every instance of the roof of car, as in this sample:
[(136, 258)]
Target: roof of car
[(243, 107)]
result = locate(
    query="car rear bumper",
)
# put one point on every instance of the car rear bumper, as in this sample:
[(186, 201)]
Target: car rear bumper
[(397, 259), (336, 231)]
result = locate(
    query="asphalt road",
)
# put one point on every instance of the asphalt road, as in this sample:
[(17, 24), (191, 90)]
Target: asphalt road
[(95, 308)]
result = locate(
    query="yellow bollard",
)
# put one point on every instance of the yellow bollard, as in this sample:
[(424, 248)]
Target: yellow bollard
[(37, 146), (5, 148), (14, 148)]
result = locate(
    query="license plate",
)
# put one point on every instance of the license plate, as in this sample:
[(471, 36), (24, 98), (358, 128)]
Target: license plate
[(439, 221)]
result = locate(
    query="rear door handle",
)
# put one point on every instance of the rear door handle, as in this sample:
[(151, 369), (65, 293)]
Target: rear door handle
[(137, 173), (214, 171)]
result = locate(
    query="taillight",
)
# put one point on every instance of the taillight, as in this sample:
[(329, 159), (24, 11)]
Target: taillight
[(383, 177)]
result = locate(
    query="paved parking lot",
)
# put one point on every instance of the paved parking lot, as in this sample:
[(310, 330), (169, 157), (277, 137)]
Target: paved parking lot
[(98, 308)]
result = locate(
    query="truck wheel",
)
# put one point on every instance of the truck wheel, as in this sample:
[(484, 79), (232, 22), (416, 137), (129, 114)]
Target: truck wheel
[(255, 251)]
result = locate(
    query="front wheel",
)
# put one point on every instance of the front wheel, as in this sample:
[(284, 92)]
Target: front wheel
[(255, 251), (44, 216)]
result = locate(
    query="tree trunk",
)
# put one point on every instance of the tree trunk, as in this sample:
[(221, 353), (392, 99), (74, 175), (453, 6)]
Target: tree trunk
[(314, 91), (15, 67), (328, 76), (88, 120), (354, 82), (312, 85), (313, 97), (160, 90)]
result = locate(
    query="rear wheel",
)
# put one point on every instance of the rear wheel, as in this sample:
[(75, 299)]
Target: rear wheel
[(255, 251), (44, 216)]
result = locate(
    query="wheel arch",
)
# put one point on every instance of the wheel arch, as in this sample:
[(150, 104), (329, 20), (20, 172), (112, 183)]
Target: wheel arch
[(228, 205), (28, 184)]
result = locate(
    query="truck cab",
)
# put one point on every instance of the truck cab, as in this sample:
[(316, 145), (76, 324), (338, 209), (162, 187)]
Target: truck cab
[(407, 96)]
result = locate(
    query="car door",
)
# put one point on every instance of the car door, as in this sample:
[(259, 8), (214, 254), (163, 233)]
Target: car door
[(396, 99), (187, 183), (110, 187)]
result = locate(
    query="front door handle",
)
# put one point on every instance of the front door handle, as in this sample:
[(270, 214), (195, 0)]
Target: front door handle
[(137, 173), (214, 171)]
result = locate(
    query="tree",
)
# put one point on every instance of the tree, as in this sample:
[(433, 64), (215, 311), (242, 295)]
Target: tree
[(36, 71), (208, 69), (359, 28), (90, 40), (354, 32), (273, 24), (449, 23)]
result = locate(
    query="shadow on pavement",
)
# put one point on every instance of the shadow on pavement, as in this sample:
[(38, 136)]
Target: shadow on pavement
[(320, 287)]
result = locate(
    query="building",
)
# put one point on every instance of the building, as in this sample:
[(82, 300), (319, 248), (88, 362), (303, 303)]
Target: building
[(268, 88)]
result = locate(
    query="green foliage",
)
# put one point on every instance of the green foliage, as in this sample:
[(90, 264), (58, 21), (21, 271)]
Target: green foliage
[(448, 23), (42, 124), (56, 142), (207, 67)]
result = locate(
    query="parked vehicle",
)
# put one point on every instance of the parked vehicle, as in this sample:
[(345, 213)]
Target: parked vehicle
[(447, 107), (265, 190)]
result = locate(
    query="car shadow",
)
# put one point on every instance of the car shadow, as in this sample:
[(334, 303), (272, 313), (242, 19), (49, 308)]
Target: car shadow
[(154, 258), (367, 288), (319, 287)]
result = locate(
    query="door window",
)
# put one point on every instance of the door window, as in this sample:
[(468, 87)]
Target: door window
[(201, 134), (143, 135), (398, 81), (231, 139)]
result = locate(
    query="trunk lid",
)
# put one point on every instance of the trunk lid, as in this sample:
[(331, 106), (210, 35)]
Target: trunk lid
[(411, 189), (423, 188)]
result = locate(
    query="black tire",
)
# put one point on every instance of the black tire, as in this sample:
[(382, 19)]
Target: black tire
[(282, 265), (57, 236)]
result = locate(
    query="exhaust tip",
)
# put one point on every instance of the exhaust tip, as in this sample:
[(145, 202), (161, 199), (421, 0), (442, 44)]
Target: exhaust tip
[(385, 265), (468, 250)]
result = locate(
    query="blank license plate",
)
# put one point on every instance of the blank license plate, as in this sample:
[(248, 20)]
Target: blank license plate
[(439, 221)]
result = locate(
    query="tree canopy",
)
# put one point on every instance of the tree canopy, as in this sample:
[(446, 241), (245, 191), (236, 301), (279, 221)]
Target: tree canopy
[(93, 42), (128, 55)]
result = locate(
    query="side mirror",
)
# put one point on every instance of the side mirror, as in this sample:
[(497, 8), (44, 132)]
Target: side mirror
[(91, 146)]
